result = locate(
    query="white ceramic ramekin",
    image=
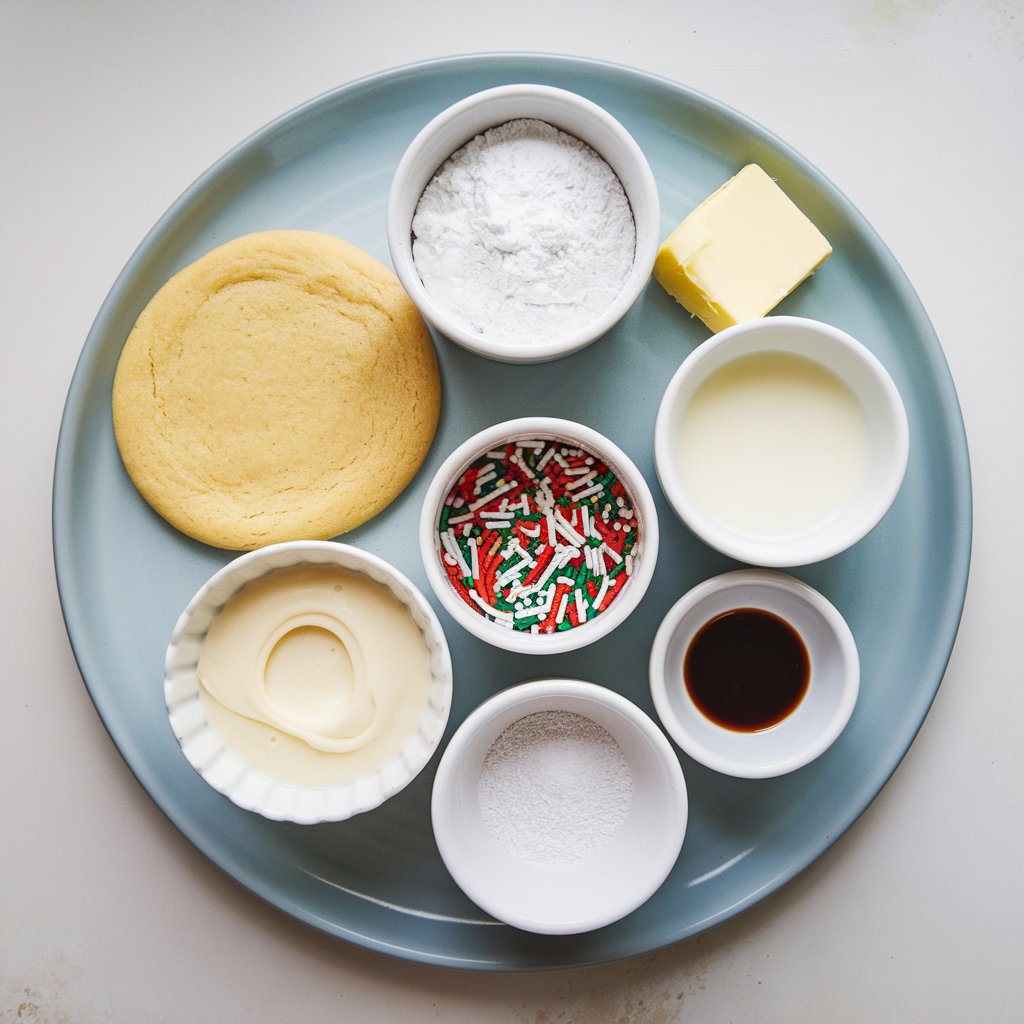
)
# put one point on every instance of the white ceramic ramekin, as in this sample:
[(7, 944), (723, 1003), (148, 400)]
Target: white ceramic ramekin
[(456, 126), (572, 434), (888, 439), (817, 720), (230, 776), (613, 880)]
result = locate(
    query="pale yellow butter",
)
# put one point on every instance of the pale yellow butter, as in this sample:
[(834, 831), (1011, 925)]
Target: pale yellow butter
[(742, 251)]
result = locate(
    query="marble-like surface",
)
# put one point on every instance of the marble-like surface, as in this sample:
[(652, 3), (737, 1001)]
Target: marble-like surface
[(109, 109)]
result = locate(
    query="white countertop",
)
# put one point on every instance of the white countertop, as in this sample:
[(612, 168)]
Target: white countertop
[(108, 110)]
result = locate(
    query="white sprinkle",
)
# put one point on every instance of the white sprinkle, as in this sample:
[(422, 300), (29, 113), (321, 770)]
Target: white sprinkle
[(583, 479), (461, 519), (541, 610), (496, 493), (516, 570), (486, 478), (453, 546), (552, 567), (629, 565), (561, 607), (521, 462), (581, 606), (545, 498), (615, 556), (568, 533), (565, 529), (596, 489), (499, 615), (546, 458)]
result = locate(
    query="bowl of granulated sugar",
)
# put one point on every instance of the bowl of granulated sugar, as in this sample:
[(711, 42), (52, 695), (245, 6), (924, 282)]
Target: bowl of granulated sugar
[(523, 222), (559, 806)]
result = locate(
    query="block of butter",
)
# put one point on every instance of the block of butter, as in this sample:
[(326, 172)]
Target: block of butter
[(742, 251)]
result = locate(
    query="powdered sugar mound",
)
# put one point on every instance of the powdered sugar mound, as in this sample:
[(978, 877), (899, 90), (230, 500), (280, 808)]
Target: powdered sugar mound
[(554, 788), (524, 235)]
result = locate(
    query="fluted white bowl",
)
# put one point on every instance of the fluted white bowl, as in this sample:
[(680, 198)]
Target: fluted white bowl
[(237, 781)]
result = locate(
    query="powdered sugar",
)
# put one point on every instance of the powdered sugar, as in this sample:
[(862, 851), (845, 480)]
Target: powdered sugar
[(554, 788), (525, 234)]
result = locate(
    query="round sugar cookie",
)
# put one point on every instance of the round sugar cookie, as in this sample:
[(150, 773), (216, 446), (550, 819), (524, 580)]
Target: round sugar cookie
[(282, 387)]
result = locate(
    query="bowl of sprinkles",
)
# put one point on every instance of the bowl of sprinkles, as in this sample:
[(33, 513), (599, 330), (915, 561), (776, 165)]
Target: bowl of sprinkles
[(539, 535)]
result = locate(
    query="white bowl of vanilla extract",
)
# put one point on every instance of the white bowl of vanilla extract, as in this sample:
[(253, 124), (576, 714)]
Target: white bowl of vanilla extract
[(754, 673)]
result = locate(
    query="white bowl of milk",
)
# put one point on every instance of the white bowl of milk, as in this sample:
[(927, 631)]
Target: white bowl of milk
[(781, 441)]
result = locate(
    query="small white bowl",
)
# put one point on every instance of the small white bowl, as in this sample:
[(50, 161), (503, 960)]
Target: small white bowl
[(816, 721), (456, 126), (614, 879), (230, 776), (887, 448), (574, 435)]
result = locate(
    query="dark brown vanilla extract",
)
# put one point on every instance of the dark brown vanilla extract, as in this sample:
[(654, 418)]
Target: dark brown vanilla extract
[(746, 669)]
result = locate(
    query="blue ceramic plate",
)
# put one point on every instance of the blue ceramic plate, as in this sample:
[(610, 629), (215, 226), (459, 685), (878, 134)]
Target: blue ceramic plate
[(377, 880)]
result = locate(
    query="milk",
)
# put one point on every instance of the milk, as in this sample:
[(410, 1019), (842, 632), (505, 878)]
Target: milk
[(772, 444)]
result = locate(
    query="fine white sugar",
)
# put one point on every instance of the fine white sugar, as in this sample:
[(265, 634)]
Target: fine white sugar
[(524, 235), (554, 788)]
